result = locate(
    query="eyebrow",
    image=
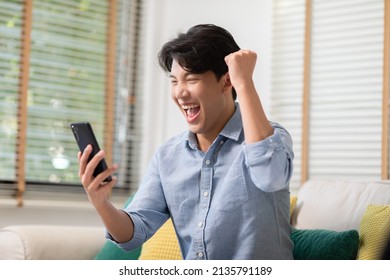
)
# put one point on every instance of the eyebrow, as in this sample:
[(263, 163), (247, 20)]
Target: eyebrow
[(185, 75)]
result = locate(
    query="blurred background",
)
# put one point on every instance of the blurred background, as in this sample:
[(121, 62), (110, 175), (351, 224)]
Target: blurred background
[(322, 72)]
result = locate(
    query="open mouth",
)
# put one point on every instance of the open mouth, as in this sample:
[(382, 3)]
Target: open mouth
[(191, 111)]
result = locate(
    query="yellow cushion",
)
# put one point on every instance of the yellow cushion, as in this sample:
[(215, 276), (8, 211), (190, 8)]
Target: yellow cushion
[(163, 245), (293, 203), (374, 231)]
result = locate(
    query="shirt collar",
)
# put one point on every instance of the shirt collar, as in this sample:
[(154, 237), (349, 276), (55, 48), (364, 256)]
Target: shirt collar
[(232, 129)]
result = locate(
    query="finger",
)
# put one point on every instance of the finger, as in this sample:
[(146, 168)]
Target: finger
[(106, 173), (93, 163), (227, 58), (78, 158), (83, 159), (85, 154), (109, 185)]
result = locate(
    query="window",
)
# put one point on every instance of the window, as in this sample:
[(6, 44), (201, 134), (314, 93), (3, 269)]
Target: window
[(287, 73), (328, 86), (346, 89), (62, 62)]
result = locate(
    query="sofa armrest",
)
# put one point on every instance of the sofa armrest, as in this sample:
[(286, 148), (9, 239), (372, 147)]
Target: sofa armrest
[(43, 242)]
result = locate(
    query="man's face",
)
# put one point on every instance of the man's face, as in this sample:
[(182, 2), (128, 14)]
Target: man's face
[(202, 99)]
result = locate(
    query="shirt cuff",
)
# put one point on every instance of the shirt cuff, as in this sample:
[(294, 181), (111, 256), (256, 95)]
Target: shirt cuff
[(138, 236), (270, 161), (258, 151)]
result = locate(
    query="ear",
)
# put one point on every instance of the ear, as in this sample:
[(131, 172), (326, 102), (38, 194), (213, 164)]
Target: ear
[(227, 84)]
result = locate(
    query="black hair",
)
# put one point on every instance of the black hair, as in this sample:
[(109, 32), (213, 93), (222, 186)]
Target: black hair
[(202, 48)]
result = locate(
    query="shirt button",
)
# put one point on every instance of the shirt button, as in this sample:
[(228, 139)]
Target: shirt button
[(221, 142), (206, 193), (200, 224), (200, 255), (208, 162)]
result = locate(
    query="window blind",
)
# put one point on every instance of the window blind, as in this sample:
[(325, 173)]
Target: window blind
[(346, 89), (128, 120), (67, 83), (386, 93), (10, 47), (287, 73)]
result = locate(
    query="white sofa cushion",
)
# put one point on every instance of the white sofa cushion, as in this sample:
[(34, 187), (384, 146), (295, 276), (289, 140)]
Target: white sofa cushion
[(337, 204), (11, 246), (50, 242)]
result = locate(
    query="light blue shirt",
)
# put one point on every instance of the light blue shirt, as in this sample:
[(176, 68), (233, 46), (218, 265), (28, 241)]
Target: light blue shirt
[(231, 202)]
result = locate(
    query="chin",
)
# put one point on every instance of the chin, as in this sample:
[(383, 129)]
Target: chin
[(194, 129)]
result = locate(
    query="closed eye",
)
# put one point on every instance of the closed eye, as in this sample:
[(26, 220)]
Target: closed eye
[(192, 79)]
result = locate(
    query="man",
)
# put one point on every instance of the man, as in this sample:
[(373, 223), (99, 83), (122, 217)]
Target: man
[(225, 182)]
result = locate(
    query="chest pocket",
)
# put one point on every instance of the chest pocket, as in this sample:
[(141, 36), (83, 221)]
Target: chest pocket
[(230, 193)]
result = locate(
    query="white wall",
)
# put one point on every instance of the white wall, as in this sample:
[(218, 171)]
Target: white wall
[(249, 21)]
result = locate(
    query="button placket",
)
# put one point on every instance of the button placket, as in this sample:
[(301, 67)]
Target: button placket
[(206, 182)]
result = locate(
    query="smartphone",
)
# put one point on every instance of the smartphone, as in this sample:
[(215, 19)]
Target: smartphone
[(84, 135)]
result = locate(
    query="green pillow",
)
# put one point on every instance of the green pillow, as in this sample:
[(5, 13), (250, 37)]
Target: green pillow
[(319, 244), (112, 252)]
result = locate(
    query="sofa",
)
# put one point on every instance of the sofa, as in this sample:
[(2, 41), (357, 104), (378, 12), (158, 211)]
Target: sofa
[(327, 215)]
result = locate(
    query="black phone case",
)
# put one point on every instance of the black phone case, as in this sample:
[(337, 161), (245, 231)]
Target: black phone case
[(84, 135)]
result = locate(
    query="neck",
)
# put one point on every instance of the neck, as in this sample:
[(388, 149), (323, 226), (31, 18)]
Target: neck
[(204, 143), (206, 140)]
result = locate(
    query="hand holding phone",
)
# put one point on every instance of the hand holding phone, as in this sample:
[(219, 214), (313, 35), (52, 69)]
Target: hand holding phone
[(84, 136)]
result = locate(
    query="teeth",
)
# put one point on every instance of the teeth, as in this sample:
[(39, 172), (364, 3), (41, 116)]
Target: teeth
[(186, 107)]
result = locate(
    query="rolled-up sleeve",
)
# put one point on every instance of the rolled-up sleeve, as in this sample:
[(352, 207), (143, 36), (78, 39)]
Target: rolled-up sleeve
[(139, 236), (270, 161)]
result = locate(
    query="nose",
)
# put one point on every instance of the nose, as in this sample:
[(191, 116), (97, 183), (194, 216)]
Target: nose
[(180, 90)]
